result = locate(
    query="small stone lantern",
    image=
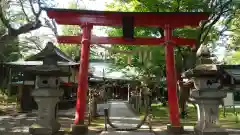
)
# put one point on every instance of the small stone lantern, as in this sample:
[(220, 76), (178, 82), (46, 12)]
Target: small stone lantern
[(207, 94), (47, 94)]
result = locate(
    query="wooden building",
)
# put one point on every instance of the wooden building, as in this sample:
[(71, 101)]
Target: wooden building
[(22, 84)]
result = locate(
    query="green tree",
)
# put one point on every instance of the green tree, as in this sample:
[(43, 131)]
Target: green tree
[(206, 34), (234, 58), (17, 17), (234, 40), (221, 13), (11, 52), (73, 50), (15, 21)]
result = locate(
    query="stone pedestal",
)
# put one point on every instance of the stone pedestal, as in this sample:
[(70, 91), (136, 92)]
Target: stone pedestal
[(79, 129), (208, 102), (175, 130), (47, 100), (209, 80)]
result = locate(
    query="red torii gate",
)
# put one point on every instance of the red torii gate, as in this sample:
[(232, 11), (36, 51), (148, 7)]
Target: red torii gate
[(87, 19)]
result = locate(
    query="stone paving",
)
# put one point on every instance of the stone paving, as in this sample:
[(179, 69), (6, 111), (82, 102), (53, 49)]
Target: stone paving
[(122, 117), (71, 112), (127, 133)]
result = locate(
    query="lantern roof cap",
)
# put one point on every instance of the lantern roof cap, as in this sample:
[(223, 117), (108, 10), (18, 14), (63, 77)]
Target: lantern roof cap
[(49, 66), (203, 70), (52, 50)]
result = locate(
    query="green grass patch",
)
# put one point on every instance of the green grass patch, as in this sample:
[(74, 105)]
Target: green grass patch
[(161, 116), (4, 102), (7, 99), (97, 122), (95, 126)]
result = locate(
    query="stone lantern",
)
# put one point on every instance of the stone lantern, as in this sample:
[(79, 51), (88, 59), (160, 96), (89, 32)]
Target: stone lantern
[(207, 94), (46, 94)]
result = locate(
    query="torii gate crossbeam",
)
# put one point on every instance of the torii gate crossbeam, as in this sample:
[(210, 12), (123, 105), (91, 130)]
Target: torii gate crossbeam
[(120, 40), (87, 19)]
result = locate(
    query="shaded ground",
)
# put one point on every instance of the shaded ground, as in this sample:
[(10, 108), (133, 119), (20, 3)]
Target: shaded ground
[(18, 124), (7, 105), (13, 123)]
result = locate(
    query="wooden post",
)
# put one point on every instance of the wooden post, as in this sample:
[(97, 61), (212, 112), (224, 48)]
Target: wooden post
[(128, 93)]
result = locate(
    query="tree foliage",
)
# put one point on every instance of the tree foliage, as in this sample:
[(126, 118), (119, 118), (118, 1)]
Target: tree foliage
[(234, 58), (221, 13), (72, 50), (20, 17), (234, 39)]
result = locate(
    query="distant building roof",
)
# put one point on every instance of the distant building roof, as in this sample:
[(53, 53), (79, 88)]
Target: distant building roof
[(36, 63), (104, 70)]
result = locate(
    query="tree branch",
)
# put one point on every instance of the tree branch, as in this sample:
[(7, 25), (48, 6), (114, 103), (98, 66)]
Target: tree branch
[(33, 41), (24, 12), (211, 4), (4, 20), (226, 27), (26, 28), (52, 25), (178, 6), (206, 29), (36, 14), (209, 27), (32, 8)]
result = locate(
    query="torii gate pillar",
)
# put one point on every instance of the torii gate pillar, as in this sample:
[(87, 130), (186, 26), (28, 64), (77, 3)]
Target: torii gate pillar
[(78, 127), (171, 82), (167, 21)]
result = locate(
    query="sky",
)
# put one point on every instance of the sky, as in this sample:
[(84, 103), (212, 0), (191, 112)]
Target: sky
[(88, 4)]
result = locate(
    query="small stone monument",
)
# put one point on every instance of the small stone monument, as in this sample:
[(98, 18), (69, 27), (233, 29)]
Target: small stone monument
[(46, 94), (207, 94)]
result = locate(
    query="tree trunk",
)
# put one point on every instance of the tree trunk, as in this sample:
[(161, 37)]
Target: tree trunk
[(3, 76), (188, 62), (93, 108), (183, 97)]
